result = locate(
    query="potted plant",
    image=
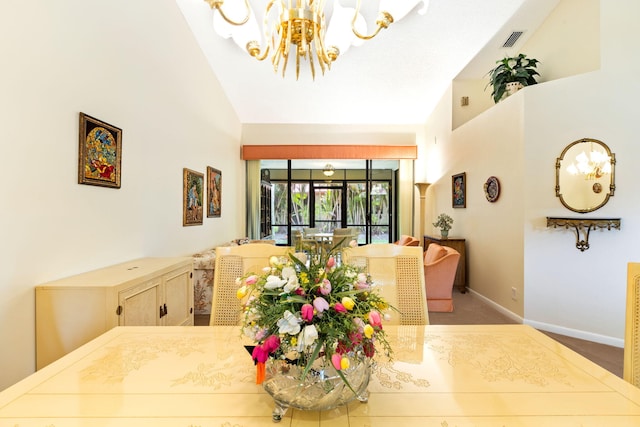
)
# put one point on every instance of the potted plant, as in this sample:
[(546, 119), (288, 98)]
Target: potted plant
[(511, 74), (444, 223)]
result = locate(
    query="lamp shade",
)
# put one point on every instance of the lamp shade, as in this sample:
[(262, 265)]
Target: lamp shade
[(339, 32), (241, 34)]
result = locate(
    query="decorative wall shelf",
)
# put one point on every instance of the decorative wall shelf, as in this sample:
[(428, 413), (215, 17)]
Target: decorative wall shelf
[(584, 227)]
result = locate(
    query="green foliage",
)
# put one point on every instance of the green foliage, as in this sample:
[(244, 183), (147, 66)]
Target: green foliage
[(346, 323), (512, 69), (443, 222)]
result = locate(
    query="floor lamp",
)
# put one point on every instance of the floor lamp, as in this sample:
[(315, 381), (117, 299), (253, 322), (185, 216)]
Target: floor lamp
[(422, 188)]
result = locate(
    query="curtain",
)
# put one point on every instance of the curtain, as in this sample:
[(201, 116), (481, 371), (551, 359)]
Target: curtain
[(253, 199)]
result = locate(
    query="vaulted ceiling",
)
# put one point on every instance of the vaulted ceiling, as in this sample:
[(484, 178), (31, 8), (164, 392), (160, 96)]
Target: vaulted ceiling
[(397, 78)]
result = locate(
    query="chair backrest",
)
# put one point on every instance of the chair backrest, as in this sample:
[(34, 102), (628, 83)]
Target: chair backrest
[(399, 271), (406, 240), (309, 231), (233, 262), (436, 253), (631, 365), (342, 236)]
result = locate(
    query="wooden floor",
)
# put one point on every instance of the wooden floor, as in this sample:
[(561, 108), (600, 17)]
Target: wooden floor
[(469, 309)]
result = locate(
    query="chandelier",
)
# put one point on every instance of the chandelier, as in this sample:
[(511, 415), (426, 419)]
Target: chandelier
[(328, 170), (298, 28), (593, 166)]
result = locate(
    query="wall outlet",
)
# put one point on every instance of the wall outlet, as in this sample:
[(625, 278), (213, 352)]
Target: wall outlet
[(514, 294)]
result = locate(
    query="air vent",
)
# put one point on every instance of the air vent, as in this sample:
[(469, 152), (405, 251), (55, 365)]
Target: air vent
[(512, 39)]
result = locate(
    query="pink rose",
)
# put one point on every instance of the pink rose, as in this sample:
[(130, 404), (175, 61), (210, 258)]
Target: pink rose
[(307, 312), (251, 280)]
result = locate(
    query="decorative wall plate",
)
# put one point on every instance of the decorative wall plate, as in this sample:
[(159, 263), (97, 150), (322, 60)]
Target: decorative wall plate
[(492, 189)]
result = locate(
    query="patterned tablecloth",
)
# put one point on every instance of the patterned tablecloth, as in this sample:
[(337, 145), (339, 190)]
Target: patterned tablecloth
[(490, 375)]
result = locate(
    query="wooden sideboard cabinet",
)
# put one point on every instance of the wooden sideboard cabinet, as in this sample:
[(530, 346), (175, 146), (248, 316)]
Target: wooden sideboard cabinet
[(459, 245), (144, 292)]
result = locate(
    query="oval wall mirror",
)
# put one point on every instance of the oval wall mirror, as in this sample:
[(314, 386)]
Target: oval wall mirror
[(585, 175)]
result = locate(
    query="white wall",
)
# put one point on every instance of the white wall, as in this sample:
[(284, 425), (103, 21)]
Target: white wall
[(101, 58), (490, 145), (567, 43), (589, 288), (576, 293)]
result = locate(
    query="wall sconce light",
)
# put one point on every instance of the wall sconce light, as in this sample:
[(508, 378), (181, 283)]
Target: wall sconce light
[(328, 170)]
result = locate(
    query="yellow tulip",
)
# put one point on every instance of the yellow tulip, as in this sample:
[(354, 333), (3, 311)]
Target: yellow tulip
[(241, 292), (348, 303), (344, 363), (368, 331)]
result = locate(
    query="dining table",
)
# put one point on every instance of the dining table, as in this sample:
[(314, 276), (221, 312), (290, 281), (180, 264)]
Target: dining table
[(439, 375)]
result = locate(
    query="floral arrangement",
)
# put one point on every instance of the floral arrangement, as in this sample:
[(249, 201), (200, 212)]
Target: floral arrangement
[(308, 306), (443, 222)]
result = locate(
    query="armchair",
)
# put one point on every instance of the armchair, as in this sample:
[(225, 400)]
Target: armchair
[(440, 264), (406, 240)]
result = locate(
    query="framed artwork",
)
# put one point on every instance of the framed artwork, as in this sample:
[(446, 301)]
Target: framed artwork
[(459, 190), (214, 192), (192, 196), (100, 153)]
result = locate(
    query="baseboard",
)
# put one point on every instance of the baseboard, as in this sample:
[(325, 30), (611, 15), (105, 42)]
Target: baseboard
[(569, 332), (576, 333), (510, 314)]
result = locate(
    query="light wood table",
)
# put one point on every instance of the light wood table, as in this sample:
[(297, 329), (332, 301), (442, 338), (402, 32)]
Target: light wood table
[(494, 375)]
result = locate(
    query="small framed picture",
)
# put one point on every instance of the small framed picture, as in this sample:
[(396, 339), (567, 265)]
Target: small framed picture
[(192, 196), (459, 190), (214, 192), (100, 153)]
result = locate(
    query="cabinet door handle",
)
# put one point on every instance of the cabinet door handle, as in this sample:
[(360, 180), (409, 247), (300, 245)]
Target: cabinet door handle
[(165, 310), (119, 310), (162, 313)]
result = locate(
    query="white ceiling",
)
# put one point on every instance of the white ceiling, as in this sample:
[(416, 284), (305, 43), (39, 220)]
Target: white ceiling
[(397, 78)]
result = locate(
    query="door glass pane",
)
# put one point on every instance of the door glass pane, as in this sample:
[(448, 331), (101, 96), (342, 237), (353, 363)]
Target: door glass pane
[(357, 208), (380, 220), (328, 209), (280, 218), (300, 204)]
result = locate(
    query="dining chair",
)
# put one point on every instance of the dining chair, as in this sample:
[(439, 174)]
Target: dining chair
[(631, 364), (342, 237), (233, 262), (399, 272), (310, 231)]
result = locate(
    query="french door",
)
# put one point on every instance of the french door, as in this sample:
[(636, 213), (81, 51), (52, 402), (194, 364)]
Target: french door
[(363, 204)]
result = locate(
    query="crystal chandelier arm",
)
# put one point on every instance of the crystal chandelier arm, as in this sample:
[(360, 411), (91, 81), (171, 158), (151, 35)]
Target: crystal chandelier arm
[(217, 4)]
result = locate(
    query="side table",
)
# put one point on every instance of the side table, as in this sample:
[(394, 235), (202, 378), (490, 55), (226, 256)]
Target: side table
[(460, 280)]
